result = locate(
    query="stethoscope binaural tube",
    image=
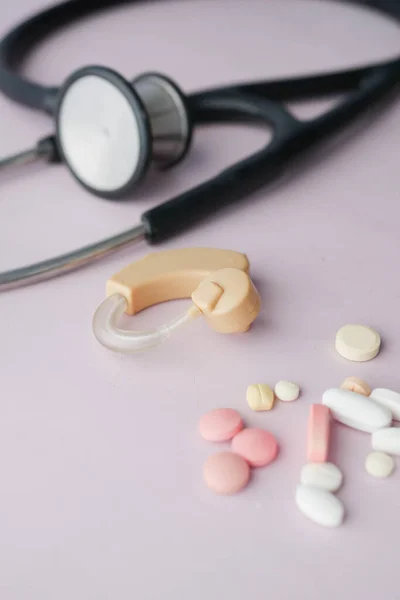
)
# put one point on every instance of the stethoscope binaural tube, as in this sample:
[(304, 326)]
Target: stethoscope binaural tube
[(261, 101)]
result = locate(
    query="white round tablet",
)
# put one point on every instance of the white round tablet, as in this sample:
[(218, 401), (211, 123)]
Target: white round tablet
[(358, 343), (287, 391), (379, 464)]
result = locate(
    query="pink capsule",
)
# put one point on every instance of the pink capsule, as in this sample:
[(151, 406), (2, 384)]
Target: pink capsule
[(318, 433)]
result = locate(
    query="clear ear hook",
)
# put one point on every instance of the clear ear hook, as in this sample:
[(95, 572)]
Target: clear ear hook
[(108, 334)]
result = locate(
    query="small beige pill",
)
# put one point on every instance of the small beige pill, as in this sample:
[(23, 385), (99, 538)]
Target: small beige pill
[(379, 464), (354, 384), (287, 391), (358, 343), (260, 397)]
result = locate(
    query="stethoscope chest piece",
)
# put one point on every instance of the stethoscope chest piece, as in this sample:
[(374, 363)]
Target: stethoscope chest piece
[(110, 131)]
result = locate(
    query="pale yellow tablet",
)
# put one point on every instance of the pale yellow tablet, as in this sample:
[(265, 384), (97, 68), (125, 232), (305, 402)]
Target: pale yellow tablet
[(358, 343)]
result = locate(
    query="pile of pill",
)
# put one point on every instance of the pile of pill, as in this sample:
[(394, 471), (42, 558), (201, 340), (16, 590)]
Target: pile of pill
[(229, 472), (355, 405), (261, 396)]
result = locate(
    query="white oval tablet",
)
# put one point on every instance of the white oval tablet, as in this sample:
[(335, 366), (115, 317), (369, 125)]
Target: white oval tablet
[(325, 476), (319, 506), (356, 410), (287, 391), (358, 343), (389, 399), (379, 464), (387, 440)]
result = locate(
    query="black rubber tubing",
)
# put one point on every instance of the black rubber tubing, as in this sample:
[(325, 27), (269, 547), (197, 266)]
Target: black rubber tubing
[(16, 44), (263, 167)]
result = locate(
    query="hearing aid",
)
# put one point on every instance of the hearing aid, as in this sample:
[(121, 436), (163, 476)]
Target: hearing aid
[(216, 281)]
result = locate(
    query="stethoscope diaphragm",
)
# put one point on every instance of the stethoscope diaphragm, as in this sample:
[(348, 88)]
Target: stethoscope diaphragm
[(109, 131)]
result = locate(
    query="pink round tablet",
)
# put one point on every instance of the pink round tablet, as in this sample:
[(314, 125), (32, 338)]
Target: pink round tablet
[(226, 473), (220, 425), (257, 446)]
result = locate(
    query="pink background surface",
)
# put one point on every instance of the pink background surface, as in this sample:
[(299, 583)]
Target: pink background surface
[(100, 460)]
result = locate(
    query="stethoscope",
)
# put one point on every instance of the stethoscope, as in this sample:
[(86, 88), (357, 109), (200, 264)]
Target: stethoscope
[(109, 132)]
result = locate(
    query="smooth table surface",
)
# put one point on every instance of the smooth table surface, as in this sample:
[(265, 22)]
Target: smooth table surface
[(100, 460)]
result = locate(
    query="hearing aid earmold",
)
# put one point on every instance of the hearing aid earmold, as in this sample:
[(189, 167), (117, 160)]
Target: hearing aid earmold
[(217, 282)]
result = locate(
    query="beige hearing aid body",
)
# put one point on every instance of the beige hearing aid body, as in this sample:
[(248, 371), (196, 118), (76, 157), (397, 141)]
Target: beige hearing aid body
[(170, 275), (216, 280)]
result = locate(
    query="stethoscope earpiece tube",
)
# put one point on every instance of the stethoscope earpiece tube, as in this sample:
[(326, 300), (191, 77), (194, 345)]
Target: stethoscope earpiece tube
[(45, 149)]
